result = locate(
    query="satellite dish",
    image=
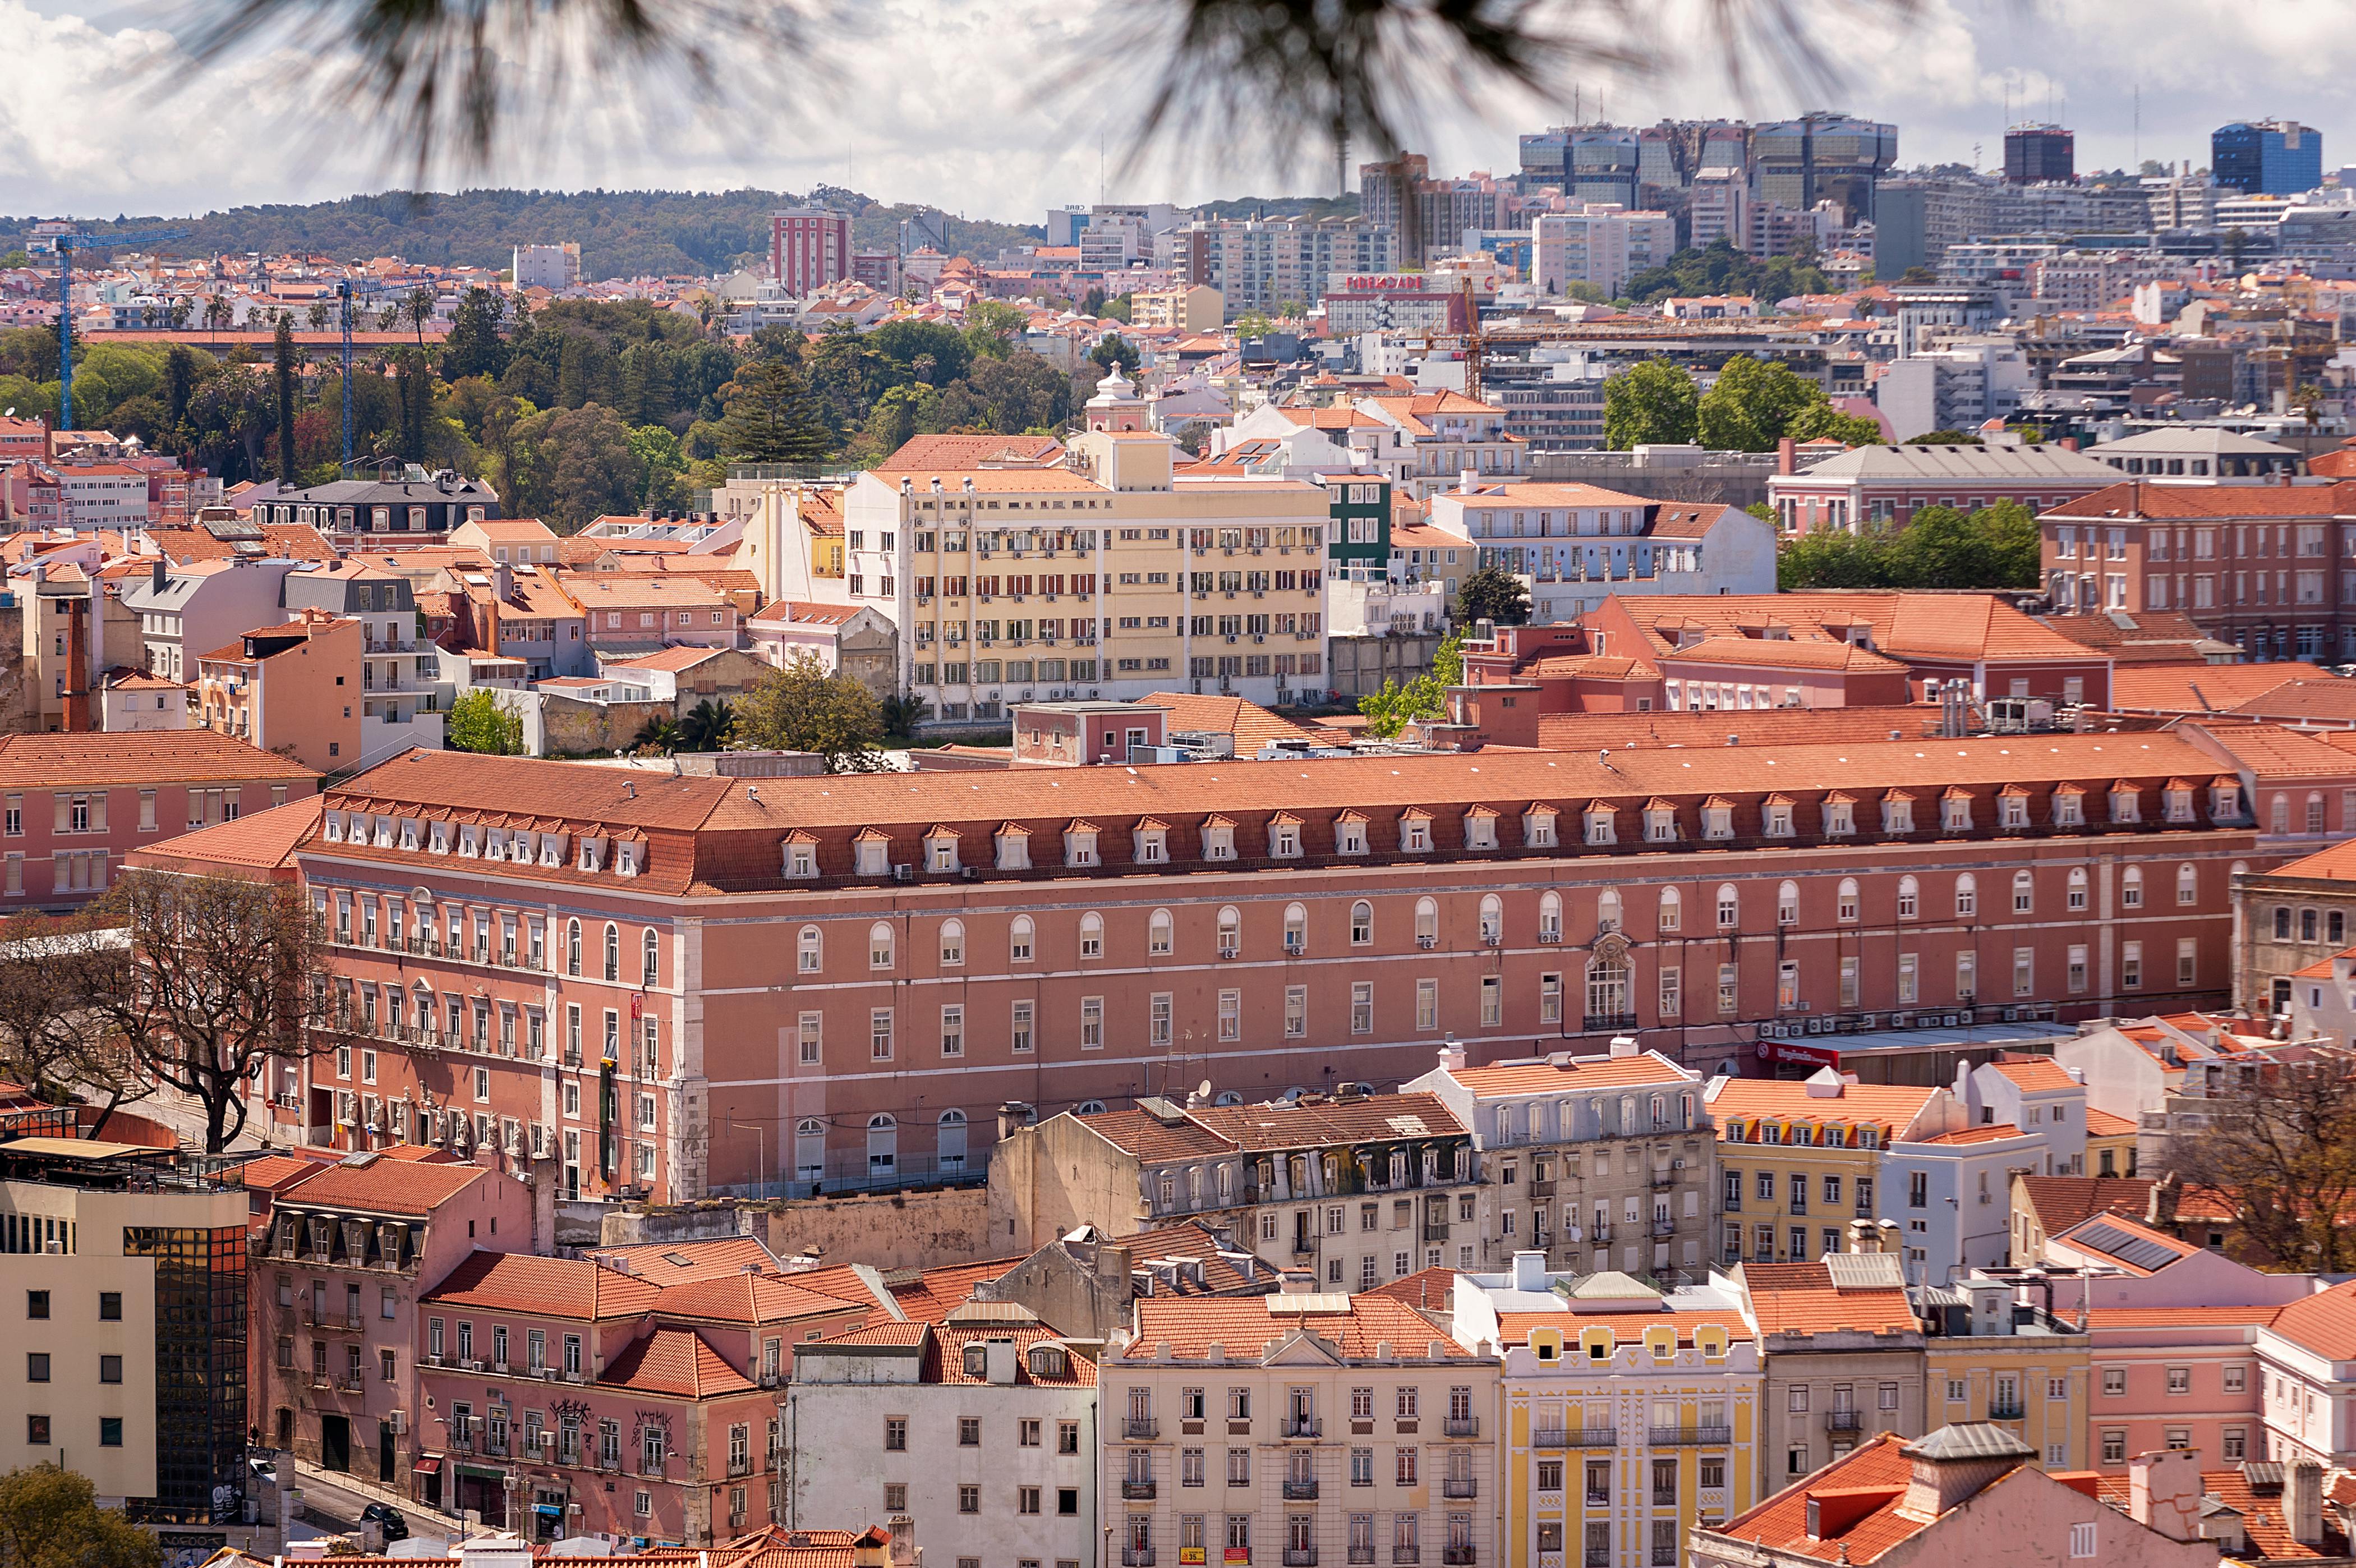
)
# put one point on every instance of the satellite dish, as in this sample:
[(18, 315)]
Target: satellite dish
[(1203, 1088)]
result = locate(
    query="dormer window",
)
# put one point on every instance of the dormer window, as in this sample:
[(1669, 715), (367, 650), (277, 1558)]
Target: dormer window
[(2068, 809), (1080, 844), (409, 834), (801, 857), (331, 826), (470, 844), (1840, 817), (2179, 801), (1956, 811), (1660, 823), (1284, 838), (1151, 843), (2126, 803), (592, 852), (1598, 825), (871, 853), (1014, 849), (941, 850), (1898, 812), (552, 849), (1415, 833), (1537, 828), (437, 838), (1717, 818), (629, 858), (2013, 805), (1218, 838), (1779, 818), (1350, 833), (1480, 828), (2224, 801)]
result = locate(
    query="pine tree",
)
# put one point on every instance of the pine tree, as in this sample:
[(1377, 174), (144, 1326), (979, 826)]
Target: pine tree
[(284, 366), (771, 417)]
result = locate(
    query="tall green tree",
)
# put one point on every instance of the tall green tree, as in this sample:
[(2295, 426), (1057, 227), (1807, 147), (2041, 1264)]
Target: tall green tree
[(770, 417), (1652, 401), (568, 466), (476, 346), (1494, 594), (1752, 406), (802, 708), (283, 370)]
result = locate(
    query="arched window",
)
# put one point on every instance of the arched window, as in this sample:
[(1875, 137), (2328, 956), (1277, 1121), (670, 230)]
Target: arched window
[(1550, 915), (1672, 911), (2278, 816), (1231, 931), (613, 951), (1607, 993), (1158, 930), (810, 1150), (1089, 1108), (1845, 898), (1361, 924), (2131, 888), (1092, 934), (1967, 897), (1493, 919), (652, 953), (1427, 923), (2187, 885), (2079, 884), (572, 948), (1019, 937), (1787, 904), (811, 947), (2024, 892), (883, 1145), (1607, 910), (1296, 929), (1729, 907), (952, 943), (948, 1141), (879, 945)]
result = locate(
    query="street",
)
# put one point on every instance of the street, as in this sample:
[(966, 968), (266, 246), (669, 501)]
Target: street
[(331, 1508)]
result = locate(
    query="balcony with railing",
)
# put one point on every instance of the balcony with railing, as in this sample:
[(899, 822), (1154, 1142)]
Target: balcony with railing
[(1575, 1437), (1303, 1426), (1142, 1428), (1139, 1491), (1842, 1421), (1689, 1436), (1137, 1557), (1461, 1426), (2006, 1409), (1464, 1487), (1300, 1557), (1297, 1490), (1456, 1556), (1597, 1557), (1607, 1023), (1405, 1554)]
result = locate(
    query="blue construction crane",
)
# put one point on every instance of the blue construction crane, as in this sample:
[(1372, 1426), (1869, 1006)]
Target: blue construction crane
[(344, 303), (65, 242)]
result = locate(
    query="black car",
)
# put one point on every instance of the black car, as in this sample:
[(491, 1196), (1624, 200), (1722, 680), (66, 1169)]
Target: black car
[(395, 1523)]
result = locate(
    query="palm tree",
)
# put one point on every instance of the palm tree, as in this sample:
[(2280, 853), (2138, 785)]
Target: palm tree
[(705, 729), (319, 312), (217, 314), (903, 713), (421, 311), (659, 733)]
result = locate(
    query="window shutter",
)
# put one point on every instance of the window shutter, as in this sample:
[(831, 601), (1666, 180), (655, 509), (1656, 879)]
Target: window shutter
[(64, 813), (61, 869), (98, 810)]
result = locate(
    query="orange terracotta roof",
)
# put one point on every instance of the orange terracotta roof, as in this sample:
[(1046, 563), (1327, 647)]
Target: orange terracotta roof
[(1868, 1486), (1801, 1298), (265, 839), (543, 1287), (1513, 1327), (2197, 688), (1895, 1105), (2102, 1123), (1252, 725), (671, 1263), (2061, 1202), (945, 1361), (2102, 1318), (2036, 1074), (2324, 1323), (149, 756), (391, 1186), (1241, 1326), (1985, 1133), (673, 1363), (752, 1298), (1544, 1074), (2337, 864)]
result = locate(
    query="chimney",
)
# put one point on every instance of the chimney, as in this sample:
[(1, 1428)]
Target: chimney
[(2069, 443), (1453, 1057), (1013, 1115), (1467, 481), (2303, 1501), (1530, 1272), (1297, 1282), (1787, 455), (1863, 1237), (998, 1361), (1957, 1462), (77, 720), (2164, 1492), (1623, 1045), (157, 576)]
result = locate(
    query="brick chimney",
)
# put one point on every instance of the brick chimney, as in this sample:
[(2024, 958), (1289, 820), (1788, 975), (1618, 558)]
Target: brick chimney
[(77, 669), (2302, 1503), (1787, 460)]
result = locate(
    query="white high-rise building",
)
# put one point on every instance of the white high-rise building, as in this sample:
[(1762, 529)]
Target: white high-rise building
[(548, 266)]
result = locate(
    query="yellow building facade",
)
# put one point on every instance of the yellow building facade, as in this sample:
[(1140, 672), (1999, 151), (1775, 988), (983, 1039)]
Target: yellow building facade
[(1798, 1161), (1995, 1354)]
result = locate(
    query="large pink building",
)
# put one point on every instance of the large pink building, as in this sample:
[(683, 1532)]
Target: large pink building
[(808, 247), (673, 985)]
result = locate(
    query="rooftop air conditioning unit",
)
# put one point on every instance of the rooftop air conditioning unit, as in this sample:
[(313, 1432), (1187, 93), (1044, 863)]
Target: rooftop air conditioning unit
[(904, 872)]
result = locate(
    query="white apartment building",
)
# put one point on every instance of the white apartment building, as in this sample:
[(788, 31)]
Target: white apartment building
[(980, 1432), (1300, 1429), (1719, 209), (1628, 1413), (1577, 545), (1584, 1159)]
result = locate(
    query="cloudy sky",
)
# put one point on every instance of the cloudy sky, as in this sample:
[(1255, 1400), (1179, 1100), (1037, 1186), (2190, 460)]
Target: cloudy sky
[(1002, 108)]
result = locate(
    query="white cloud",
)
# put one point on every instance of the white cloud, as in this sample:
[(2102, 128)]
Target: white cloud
[(999, 109)]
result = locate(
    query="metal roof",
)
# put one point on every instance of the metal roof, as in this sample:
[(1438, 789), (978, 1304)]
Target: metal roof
[(2126, 1246), (1968, 1440)]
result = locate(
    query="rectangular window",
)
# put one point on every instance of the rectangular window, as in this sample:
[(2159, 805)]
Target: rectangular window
[(1362, 1007), (1019, 1027)]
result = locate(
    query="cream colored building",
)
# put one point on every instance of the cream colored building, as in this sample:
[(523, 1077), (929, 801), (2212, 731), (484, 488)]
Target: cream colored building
[(1197, 309), (1298, 1429), (104, 1286), (1600, 1161), (1104, 578), (1630, 1415)]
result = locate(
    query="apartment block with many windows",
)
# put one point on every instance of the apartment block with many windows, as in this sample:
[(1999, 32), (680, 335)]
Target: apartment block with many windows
[(1298, 1429)]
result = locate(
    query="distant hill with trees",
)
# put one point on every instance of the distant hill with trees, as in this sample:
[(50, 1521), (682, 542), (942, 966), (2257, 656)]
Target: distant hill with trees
[(622, 233)]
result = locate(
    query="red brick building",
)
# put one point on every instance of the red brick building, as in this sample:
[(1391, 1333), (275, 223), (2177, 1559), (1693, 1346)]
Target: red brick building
[(672, 986), (2269, 568)]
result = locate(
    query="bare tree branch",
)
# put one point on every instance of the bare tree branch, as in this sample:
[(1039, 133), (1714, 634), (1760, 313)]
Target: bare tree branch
[(2280, 1146)]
